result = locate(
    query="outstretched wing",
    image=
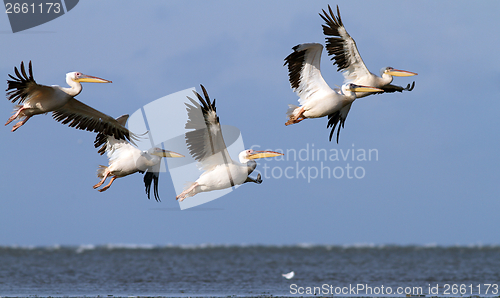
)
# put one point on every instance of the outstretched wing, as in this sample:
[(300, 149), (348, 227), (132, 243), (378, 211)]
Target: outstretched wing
[(338, 118), (342, 47), (103, 139), (205, 143), (79, 115), (23, 87), (304, 71)]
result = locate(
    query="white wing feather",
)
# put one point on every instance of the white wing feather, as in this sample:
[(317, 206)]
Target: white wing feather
[(116, 149), (304, 71)]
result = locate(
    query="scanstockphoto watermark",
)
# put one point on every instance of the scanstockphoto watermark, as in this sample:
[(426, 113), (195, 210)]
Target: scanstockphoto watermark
[(366, 289), (310, 163), (355, 290)]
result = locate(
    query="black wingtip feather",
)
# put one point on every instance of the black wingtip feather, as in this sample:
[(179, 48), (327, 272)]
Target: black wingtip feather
[(151, 178), (207, 105), (334, 120), (334, 41), (30, 70), (295, 62), (18, 87), (23, 71)]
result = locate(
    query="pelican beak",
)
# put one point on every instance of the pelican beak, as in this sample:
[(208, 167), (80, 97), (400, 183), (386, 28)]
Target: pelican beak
[(401, 73), (359, 88), (90, 79), (264, 154), (166, 153)]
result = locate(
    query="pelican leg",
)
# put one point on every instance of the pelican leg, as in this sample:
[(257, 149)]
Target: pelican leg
[(107, 186), (296, 119), (184, 194), (106, 174), (20, 123), (300, 119), (250, 179), (14, 116), (409, 88)]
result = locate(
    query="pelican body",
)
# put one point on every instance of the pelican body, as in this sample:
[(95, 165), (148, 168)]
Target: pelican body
[(206, 145), (37, 99), (125, 159), (342, 47), (317, 99)]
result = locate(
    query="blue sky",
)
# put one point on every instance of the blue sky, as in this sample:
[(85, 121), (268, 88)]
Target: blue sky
[(435, 179)]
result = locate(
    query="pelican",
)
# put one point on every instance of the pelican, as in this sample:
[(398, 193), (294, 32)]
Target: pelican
[(342, 47), (40, 99), (125, 159), (317, 99), (206, 145)]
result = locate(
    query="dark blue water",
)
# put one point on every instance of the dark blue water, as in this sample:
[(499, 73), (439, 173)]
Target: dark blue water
[(247, 270)]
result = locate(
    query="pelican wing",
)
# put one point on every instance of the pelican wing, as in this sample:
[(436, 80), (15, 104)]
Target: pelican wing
[(103, 139), (342, 47), (338, 118), (205, 143), (151, 177), (22, 87), (115, 148), (79, 115), (304, 71), (119, 149)]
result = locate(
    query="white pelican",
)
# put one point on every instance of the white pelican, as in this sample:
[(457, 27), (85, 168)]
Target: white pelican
[(125, 159), (342, 47), (317, 99), (40, 99), (206, 145)]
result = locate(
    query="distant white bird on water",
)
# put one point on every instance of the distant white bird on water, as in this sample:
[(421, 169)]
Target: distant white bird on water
[(289, 275), (317, 99), (125, 159), (342, 47)]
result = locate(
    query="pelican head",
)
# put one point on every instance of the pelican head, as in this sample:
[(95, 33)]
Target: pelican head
[(83, 78), (250, 154), (164, 153), (396, 72)]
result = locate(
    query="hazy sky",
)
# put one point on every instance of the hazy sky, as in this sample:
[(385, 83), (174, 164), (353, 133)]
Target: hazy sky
[(434, 178)]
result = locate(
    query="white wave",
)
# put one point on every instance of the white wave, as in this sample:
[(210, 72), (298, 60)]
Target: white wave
[(359, 245), (15, 246), (430, 245), (111, 246), (53, 247), (305, 245), (84, 247)]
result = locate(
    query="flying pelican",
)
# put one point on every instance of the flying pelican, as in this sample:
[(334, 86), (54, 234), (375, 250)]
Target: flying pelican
[(125, 159), (342, 47), (40, 99), (317, 99), (206, 145)]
